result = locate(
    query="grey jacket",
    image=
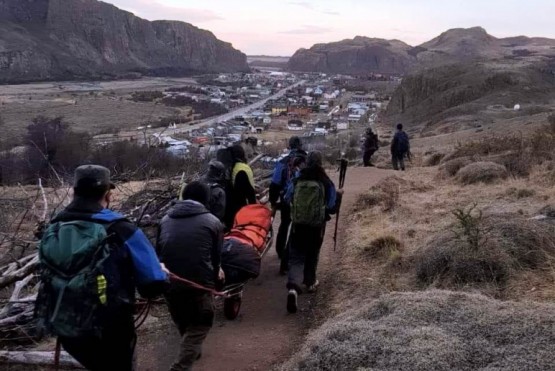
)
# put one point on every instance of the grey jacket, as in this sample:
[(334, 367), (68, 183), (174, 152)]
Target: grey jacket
[(190, 242)]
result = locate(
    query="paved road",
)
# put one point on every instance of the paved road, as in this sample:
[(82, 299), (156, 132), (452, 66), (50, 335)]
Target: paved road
[(201, 124), (238, 112)]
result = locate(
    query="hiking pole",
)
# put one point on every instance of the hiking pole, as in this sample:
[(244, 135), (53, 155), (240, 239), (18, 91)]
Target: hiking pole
[(342, 174)]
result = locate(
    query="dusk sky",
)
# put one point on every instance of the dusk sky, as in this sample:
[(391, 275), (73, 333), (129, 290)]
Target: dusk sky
[(279, 27)]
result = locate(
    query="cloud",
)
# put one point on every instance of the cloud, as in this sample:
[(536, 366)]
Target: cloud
[(303, 4), (308, 30), (331, 12), (155, 10)]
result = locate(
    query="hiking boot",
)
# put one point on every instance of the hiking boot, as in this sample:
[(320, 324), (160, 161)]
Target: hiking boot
[(312, 288), (292, 301)]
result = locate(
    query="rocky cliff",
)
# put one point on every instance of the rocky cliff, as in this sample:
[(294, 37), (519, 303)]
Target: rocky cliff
[(357, 56), (74, 39), (364, 55)]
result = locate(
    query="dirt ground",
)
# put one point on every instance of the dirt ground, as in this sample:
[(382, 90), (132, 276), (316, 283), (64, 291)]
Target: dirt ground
[(93, 107), (264, 335)]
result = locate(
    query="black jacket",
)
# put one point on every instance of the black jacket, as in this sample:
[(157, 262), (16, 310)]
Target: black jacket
[(218, 198), (190, 242)]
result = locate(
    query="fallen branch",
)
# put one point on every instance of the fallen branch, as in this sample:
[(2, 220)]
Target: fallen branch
[(19, 286), (38, 359), (21, 273)]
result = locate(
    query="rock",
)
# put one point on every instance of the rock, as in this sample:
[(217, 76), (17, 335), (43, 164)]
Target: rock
[(88, 39), (360, 55)]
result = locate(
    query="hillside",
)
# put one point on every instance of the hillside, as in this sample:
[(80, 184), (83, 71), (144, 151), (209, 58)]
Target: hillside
[(86, 39), (365, 55), (464, 95), (357, 56)]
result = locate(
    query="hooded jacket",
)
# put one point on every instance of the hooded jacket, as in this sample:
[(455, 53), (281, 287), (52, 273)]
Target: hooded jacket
[(134, 256), (190, 242), (218, 198)]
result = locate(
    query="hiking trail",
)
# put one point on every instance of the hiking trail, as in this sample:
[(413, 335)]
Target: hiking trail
[(264, 334)]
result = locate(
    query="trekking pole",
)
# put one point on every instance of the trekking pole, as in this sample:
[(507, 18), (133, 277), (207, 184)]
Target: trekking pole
[(342, 174)]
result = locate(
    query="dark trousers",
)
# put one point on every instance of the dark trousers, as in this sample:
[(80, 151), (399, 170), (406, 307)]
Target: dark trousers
[(398, 161), (367, 156), (193, 313), (304, 252), (283, 231), (113, 350)]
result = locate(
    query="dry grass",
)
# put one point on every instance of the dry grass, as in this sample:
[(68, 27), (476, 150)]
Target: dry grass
[(384, 247), (433, 330), (481, 172), (424, 212), (508, 245)]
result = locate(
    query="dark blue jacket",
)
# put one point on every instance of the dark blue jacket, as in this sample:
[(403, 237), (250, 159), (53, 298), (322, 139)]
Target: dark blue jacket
[(281, 178)]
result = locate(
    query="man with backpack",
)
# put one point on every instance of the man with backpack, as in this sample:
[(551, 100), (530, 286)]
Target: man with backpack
[(190, 242), (313, 199), (284, 171), (400, 148), (92, 259), (369, 147), (215, 179)]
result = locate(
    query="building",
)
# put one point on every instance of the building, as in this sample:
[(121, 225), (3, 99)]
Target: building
[(295, 125)]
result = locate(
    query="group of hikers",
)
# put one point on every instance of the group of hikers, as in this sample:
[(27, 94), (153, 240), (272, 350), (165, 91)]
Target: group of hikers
[(93, 259), (400, 148)]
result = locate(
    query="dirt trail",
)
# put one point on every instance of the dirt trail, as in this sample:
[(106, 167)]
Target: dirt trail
[(264, 334)]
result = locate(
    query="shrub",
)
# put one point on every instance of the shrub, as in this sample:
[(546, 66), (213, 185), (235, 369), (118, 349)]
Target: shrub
[(433, 330), (146, 96), (451, 167), (485, 172), (433, 159), (385, 246), (493, 250)]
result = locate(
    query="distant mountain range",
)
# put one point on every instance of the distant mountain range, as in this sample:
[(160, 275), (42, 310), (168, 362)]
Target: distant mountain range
[(89, 39), (364, 55)]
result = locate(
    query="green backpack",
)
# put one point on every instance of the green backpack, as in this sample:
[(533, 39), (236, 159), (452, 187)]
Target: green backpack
[(309, 203), (73, 298)]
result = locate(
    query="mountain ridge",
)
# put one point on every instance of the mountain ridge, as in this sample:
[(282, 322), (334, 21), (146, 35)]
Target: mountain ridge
[(87, 39), (365, 54)]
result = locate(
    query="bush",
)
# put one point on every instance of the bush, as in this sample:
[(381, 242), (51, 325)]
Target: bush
[(433, 330), (146, 96), (433, 159), (384, 247), (451, 167), (485, 172), (492, 251), (204, 108)]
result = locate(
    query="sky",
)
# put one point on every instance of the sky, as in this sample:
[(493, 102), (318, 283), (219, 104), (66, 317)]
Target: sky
[(280, 27)]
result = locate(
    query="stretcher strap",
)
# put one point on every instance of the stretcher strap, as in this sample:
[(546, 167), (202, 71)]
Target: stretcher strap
[(197, 286)]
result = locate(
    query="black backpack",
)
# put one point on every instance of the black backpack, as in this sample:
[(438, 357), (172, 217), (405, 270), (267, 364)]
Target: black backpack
[(403, 145)]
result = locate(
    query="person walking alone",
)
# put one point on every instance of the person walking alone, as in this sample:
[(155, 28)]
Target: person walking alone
[(369, 147), (190, 242), (400, 148), (313, 199), (284, 172)]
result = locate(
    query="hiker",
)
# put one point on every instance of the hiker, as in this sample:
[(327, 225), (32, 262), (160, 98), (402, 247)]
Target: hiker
[(242, 184), (313, 199), (190, 243), (92, 259), (284, 171), (369, 147), (215, 179), (400, 148)]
